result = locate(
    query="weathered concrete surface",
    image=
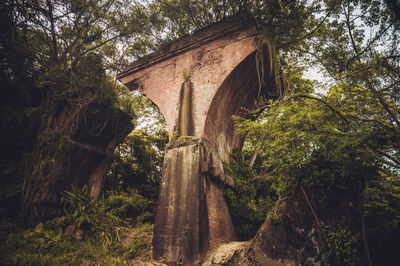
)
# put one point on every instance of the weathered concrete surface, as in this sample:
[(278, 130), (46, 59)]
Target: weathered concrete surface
[(86, 155), (291, 236), (185, 125), (199, 82), (179, 204), (192, 215), (208, 57)]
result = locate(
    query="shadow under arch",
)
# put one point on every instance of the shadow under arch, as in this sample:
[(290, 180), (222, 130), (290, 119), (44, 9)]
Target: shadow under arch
[(239, 90)]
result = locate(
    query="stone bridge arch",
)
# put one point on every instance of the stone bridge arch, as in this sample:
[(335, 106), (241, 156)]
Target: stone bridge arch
[(240, 90), (199, 82)]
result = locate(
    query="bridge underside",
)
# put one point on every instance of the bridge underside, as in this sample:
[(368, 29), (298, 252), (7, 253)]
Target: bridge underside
[(199, 82)]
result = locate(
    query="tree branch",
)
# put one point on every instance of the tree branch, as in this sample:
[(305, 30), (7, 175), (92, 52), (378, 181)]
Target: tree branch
[(321, 101), (347, 15), (253, 156), (320, 23), (53, 32), (383, 103)]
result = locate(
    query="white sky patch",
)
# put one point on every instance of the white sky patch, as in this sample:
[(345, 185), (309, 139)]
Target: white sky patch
[(315, 73), (148, 121), (321, 81)]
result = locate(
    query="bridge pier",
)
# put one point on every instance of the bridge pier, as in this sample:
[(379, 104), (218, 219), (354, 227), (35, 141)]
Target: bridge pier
[(199, 82), (192, 214)]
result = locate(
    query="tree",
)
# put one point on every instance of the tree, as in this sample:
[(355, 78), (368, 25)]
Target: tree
[(60, 54), (348, 134), (18, 98), (347, 137), (341, 137), (139, 158)]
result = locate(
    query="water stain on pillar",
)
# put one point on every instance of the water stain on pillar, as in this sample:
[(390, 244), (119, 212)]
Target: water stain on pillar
[(192, 216), (185, 120)]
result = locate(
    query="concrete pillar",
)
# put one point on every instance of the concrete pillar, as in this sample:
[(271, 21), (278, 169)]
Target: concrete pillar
[(192, 214), (199, 82)]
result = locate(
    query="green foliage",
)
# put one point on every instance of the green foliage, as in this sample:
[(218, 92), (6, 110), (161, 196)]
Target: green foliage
[(382, 220), (18, 104), (317, 142), (57, 58), (132, 204), (343, 249), (97, 234), (49, 247), (302, 139), (138, 164), (185, 16), (334, 143), (98, 219), (249, 200), (139, 247)]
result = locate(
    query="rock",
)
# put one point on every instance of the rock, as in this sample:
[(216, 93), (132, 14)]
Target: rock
[(69, 229), (80, 234), (290, 236), (84, 154), (77, 233), (227, 254)]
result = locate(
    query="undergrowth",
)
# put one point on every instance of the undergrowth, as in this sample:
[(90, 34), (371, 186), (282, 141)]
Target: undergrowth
[(88, 233)]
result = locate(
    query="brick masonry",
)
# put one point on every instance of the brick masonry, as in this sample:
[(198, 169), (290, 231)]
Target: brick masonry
[(219, 62)]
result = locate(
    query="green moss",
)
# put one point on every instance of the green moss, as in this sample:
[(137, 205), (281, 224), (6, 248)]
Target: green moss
[(181, 138), (175, 135)]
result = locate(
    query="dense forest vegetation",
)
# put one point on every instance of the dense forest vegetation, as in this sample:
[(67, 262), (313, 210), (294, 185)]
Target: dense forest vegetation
[(333, 138)]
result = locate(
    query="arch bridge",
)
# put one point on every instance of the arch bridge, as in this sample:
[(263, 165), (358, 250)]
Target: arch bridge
[(199, 82)]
